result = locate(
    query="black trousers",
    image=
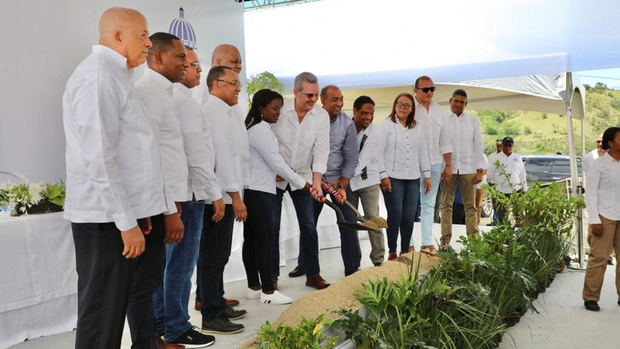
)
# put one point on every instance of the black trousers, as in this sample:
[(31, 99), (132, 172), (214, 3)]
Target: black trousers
[(215, 245), (111, 286), (258, 238)]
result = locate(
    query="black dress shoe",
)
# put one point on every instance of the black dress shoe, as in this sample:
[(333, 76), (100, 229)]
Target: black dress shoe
[(298, 271), (220, 325), (591, 305), (231, 314)]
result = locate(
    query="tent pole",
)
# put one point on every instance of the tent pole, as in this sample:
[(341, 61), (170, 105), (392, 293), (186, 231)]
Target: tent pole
[(573, 166)]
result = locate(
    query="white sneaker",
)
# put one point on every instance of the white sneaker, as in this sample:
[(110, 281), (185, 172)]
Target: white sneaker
[(275, 298), (253, 294)]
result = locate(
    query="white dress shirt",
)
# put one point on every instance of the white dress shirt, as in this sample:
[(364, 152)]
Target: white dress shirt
[(514, 168), (266, 161), (368, 158), (437, 136), (586, 163), (221, 121), (405, 151), (112, 160), (304, 145), (603, 189), (156, 92), (467, 146), (198, 144)]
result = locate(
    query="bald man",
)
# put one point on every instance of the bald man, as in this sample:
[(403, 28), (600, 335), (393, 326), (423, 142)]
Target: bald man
[(114, 182)]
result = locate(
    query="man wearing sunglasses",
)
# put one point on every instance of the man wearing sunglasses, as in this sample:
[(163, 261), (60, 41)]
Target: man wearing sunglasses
[(433, 118)]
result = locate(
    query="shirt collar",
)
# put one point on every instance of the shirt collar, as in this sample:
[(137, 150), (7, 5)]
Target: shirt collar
[(157, 78), (418, 104), (220, 103), (184, 89), (116, 57)]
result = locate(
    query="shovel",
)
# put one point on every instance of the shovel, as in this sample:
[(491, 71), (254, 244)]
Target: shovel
[(373, 223)]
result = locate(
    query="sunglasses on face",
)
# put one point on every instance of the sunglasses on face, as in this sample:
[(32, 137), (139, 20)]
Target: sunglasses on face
[(427, 89)]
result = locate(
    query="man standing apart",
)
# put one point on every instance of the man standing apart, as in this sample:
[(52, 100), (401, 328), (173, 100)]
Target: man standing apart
[(510, 175), (114, 184), (468, 166), (215, 244), (365, 182), (433, 118), (171, 313), (303, 137)]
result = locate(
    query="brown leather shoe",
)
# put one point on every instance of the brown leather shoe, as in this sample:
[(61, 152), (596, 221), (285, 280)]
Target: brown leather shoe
[(198, 305), (316, 282), (392, 256), (163, 345), (411, 248), (231, 302)]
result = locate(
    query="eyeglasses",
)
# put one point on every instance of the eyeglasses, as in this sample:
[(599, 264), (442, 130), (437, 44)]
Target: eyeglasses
[(403, 105), (235, 83), (311, 95), (426, 89), (195, 64)]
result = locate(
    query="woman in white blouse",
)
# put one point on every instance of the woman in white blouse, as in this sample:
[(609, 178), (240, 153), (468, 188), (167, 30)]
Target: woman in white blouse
[(260, 197), (405, 159), (603, 204)]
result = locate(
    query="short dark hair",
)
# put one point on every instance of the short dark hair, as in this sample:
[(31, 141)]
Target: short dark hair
[(423, 77), (361, 100), (609, 136), (161, 42), (216, 73), (324, 90), (459, 92)]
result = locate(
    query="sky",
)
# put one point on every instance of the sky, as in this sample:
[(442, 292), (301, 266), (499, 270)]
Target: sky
[(610, 77)]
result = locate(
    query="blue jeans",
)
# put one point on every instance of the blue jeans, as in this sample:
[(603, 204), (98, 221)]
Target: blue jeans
[(309, 240), (428, 206), (401, 204), (171, 299)]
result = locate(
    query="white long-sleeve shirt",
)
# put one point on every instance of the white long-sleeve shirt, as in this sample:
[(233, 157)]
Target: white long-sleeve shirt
[(434, 120), (198, 145), (156, 92), (112, 160), (304, 145), (513, 166), (368, 158), (587, 161), (491, 177), (405, 151), (603, 189), (467, 145), (266, 161), (220, 120)]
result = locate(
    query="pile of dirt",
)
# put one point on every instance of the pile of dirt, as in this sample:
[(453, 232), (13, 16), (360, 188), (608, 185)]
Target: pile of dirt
[(341, 294)]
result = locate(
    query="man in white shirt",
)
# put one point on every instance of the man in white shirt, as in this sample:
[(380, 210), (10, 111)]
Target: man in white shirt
[(493, 181), (303, 136), (168, 58), (114, 184), (468, 166), (433, 118), (510, 176), (216, 240), (227, 55), (365, 182)]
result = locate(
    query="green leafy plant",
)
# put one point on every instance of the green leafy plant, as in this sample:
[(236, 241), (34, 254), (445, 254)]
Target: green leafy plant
[(32, 197), (261, 81), (307, 335)]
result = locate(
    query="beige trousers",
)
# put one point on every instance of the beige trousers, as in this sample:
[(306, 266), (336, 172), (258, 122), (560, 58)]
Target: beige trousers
[(468, 193), (600, 248), (369, 197)]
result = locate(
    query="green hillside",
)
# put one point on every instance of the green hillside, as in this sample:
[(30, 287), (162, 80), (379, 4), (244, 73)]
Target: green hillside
[(543, 133)]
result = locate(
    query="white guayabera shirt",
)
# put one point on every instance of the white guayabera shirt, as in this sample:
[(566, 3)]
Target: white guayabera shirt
[(437, 136), (156, 92), (112, 160), (304, 146), (198, 144), (467, 145), (603, 189)]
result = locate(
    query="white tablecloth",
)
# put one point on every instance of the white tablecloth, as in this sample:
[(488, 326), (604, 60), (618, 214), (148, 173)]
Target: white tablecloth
[(38, 283)]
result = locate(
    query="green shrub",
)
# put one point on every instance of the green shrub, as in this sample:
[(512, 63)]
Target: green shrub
[(306, 335)]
